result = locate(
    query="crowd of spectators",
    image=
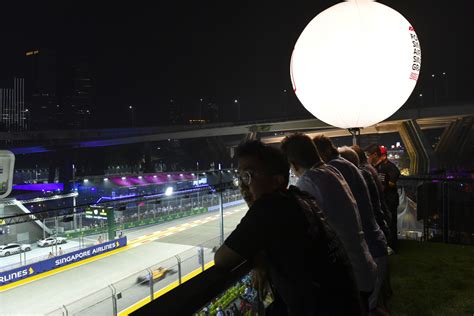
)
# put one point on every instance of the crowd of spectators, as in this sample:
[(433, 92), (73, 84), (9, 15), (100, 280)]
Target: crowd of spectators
[(320, 247), (137, 211), (179, 205)]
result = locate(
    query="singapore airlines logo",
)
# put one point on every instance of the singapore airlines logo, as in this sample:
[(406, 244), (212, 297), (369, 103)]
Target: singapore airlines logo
[(9, 277)]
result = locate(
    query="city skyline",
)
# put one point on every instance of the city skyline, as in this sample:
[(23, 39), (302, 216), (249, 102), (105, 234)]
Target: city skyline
[(144, 57)]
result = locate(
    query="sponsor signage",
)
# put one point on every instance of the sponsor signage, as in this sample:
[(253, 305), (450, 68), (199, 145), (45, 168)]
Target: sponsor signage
[(200, 181), (27, 271), (229, 204), (19, 273)]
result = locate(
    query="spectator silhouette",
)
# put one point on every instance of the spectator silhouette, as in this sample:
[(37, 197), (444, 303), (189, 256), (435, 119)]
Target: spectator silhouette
[(382, 260), (383, 217), (305, 262), (373, 234), (332, 193), (388, 174)]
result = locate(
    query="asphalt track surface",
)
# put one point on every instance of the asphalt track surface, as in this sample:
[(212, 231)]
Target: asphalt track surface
[(152, 246)]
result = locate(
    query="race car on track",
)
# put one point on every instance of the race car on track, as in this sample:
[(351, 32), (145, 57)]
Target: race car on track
[(157, 275), (10, 249), (51, 241)]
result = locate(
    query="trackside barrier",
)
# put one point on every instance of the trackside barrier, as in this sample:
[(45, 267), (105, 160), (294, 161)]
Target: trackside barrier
[(134, 291), (14, 275), (226, 205), (40, 258), (134, 224), (149, 221)]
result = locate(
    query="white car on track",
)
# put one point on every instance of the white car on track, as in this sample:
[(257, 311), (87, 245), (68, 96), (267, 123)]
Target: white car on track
[(13, 248), (50, 241)]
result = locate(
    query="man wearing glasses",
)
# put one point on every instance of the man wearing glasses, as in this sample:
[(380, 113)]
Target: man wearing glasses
[(286, 234)]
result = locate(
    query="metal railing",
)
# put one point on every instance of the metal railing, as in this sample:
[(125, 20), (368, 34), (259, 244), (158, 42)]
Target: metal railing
[(86, 235), (220, 287), (145, 285), (436, 209)]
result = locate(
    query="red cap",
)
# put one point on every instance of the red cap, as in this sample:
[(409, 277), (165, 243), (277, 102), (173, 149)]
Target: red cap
[(383, 150)]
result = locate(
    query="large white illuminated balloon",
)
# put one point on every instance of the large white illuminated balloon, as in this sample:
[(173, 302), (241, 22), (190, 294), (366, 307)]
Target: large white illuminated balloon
[(355, 64)]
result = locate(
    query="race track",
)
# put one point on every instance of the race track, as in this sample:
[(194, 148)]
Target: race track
[(150, 246)]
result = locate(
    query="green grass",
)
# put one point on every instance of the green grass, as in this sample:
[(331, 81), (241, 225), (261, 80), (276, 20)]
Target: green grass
[(432, 279)]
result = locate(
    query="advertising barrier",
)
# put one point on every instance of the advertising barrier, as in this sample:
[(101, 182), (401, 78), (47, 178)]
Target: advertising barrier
[(163, 218), (30, 270), (226, 205), (134, 224)]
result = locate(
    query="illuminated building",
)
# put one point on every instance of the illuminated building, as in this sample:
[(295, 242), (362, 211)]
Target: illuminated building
[(12, 106)]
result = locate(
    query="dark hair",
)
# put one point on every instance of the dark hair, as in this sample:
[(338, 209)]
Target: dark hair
[(349, 154), (300, 149), (325, 144), (272, 159), (360, 153), (373, 148)]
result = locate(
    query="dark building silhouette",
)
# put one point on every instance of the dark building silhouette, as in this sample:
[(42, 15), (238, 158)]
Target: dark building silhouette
[(59, 90), (212, 112), (77, 94), (205, 111), (175, 114), (41, 87)]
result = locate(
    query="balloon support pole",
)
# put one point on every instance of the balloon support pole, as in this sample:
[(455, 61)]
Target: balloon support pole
[(355, 132)]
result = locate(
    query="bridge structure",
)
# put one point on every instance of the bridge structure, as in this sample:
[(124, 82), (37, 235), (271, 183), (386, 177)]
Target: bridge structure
[(456, 119)]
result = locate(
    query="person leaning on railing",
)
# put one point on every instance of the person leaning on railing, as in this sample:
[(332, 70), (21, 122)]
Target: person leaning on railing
[(383, 216), (333, 195), (389, 175), (381, 260), (286, 238)]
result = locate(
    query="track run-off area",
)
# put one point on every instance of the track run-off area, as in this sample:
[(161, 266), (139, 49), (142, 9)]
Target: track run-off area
[(80, 286)]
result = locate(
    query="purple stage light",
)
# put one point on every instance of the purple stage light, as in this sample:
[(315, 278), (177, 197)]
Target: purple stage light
[(40, 187)]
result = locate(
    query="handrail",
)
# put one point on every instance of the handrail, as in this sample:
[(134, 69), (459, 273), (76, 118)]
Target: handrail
[(436, 178), (196, 292)]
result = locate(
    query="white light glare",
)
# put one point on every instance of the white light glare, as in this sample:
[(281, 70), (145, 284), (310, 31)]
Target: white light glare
[(169, 191)]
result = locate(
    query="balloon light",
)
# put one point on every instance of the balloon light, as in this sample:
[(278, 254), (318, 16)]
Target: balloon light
[(355, 64)]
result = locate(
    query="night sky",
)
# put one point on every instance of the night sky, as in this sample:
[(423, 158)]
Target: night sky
[(144, 54)]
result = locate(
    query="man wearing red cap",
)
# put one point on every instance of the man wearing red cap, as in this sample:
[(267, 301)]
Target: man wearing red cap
[(388, 174)]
